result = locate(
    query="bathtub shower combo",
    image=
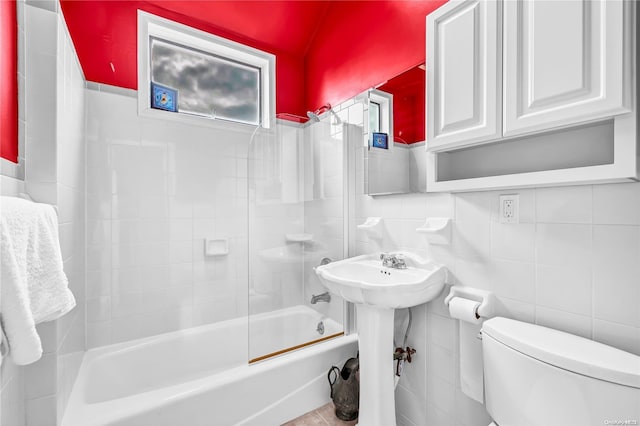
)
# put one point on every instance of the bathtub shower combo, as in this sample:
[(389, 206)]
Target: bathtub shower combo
[(269, 365)]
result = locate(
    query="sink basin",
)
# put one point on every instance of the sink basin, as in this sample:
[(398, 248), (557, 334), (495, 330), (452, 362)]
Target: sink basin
[(377, 291), (363, 279)]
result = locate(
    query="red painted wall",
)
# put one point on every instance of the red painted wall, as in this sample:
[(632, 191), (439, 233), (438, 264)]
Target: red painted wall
[(8, 81), (408, 91), (326, 51), (105, 32), (361, 44)]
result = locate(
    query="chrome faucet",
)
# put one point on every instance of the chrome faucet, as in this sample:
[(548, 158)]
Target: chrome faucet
[(324, 297), (395, 261)]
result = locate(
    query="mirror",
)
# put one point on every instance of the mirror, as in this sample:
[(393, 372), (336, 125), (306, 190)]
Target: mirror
[(395, 159)]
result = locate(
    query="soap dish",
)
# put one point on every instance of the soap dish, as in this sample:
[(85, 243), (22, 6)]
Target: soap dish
[(437, 230), (372, 226), (217, 247), (298, 238)]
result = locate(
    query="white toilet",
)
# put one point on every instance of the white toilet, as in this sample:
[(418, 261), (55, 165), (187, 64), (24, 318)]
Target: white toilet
[(538, 376)]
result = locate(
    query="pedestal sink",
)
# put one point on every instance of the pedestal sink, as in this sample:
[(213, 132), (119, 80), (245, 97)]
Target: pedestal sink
[(377, 291)]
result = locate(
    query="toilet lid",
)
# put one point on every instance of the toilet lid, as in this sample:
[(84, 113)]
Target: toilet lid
[(566, 351)]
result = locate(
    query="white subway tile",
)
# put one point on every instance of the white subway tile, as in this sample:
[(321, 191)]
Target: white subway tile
[(99, 309), (153, 206), (98, 232), (564, 288), (98, 334), (476, 273), (441, 364), (441, 394), (563, 245), (514, 280), (123, 305), (40, 377), (514, 309), (617, 335), (180, 251), (616, 268), (471, 240), (154, 278), (435, 416), (441, 331), (469, 412), (98, 283), (41, 411), (126, 280), (124, 329), (571, 204), (579, 325), (409, 403), (98, 257), (181, 274), (617, 203), (515, 242), (154, 230)]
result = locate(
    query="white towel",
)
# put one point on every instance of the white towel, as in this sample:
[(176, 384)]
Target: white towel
[(34, 286)]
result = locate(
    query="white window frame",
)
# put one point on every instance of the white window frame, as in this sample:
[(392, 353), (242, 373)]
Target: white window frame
[(154, 26), (385, 100)]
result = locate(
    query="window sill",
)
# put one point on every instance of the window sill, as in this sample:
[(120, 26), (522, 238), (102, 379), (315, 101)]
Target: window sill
[(194, 120)]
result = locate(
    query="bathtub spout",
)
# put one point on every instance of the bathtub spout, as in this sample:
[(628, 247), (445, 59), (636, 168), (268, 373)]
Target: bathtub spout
[(324, 297)]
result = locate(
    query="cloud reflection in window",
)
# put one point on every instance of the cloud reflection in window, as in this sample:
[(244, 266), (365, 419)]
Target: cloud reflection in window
[(207, 85)]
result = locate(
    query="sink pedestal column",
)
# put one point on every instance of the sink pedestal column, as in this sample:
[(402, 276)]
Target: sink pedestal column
[(375, 338)]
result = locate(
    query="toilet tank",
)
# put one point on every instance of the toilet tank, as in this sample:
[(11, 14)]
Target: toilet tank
[(535, 375)]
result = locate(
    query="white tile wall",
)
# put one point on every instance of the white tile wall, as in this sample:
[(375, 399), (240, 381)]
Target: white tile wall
[(70, 178), (571, 264), (155, 191), (324, 212), (11, 377), (52, 124), (275, 209)]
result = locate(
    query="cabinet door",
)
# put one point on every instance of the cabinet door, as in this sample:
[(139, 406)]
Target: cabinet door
[(464, 78), (565, 63)]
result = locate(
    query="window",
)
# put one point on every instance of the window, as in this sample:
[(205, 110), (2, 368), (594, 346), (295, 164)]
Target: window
[(374, 116), (380, 115), (201, 76)]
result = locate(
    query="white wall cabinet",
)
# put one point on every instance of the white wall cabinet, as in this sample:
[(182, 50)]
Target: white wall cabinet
[(464, 73), (564, 63), (551, 83)]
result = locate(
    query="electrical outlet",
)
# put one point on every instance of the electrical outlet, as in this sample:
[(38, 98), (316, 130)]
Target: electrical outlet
[(510, 208)]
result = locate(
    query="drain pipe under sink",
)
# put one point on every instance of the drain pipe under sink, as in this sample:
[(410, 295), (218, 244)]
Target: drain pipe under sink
[(403, 353)]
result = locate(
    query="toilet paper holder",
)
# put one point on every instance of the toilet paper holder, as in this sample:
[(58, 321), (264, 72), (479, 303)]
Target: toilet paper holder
[(486, 299)]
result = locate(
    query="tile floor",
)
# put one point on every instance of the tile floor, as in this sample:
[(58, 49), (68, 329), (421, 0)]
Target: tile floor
[(322, 416)]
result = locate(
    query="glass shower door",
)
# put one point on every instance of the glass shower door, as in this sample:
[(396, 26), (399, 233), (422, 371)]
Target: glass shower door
[(295, 220)]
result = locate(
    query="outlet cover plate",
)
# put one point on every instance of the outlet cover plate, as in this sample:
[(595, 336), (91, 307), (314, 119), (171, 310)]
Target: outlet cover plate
[(510, 208)]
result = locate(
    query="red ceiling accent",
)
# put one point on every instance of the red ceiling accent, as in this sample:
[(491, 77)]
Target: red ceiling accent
[(105, 33), (362, 44), (326, 51), (8, 81)]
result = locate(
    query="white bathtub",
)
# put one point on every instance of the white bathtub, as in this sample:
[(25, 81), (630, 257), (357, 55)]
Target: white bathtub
[(200, 376)]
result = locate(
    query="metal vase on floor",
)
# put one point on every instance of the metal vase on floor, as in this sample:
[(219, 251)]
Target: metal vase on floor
[(345, 389)]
